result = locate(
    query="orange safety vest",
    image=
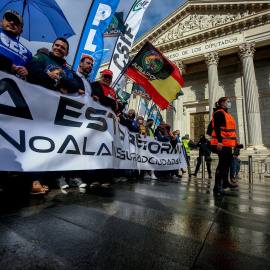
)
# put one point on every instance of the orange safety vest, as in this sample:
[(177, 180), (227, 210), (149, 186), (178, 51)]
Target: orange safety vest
[(228, 133)]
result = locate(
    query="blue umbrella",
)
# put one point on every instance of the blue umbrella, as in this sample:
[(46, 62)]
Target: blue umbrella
[(43, 19)]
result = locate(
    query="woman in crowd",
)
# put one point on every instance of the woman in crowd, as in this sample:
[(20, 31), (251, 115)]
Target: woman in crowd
[(143, 131), (223, 138)]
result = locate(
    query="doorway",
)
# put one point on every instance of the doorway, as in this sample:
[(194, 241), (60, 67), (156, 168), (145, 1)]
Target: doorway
[(198, 125)]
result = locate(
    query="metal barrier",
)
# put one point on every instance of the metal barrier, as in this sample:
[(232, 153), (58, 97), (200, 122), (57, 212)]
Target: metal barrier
[(250, 167)]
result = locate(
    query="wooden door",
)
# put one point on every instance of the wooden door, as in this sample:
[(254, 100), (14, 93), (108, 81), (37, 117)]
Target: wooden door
[(198, 125)]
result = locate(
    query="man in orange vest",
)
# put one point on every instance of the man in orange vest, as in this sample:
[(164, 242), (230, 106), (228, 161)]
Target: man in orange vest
[(223, 138)]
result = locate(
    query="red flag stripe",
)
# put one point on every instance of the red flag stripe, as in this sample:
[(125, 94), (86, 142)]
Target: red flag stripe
[(156, 97)]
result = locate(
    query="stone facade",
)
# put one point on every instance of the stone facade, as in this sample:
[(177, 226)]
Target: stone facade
[(222, 48)]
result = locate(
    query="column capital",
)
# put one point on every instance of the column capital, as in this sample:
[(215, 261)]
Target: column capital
[(180, 65), (211, 58), (246, 50)]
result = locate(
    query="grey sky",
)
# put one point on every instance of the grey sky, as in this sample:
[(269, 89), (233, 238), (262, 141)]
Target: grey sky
[(76, 13)]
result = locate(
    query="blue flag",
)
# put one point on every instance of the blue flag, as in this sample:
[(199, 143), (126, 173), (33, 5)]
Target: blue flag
[(155, 114), (91, 42)]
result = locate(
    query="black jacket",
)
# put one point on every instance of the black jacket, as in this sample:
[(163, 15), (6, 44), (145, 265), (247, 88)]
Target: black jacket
[(127, 122), (78, 79), (104, 100), (37, 69), (162, 135), (205, 147)]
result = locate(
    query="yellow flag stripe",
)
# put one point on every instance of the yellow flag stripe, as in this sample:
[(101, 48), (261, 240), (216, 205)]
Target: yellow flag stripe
[(167, 88)]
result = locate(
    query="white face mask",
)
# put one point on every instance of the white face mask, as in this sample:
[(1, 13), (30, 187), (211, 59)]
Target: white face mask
[(140, 121)]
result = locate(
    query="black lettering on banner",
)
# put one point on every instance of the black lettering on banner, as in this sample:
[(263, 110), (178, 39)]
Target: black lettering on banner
[(127, 42), (166, 148), (62, 111), (112, 116), (115, 57), (121, 153), (169, 162), (141, 143), (133, 156), (68, 139), (176, 150), (103, 145), (21, 108), (94, 126), (19, 146), (144, 159), (129, 157), (113, 150), (122, 134), (84, 148), (152, 162), (131, 139), (138, 158), (35, 138), (118, 151), (150, 147), (127, 33)]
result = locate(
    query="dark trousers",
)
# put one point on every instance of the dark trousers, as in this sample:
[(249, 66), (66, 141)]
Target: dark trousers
[(208, 165), (225, 160)]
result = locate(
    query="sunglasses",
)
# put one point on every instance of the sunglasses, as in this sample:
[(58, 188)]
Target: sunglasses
[(107, 77), (14, 19)]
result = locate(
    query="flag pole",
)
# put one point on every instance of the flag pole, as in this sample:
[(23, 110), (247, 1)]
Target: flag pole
[(122, 73)]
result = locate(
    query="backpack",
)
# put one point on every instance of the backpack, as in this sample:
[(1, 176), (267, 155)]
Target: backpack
[(209, 129)]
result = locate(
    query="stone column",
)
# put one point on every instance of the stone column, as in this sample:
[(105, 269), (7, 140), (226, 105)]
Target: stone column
[(178, 104), (212, 60), (246, 53)]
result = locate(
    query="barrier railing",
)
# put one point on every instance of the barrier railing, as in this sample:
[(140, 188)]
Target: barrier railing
[(250, 167)]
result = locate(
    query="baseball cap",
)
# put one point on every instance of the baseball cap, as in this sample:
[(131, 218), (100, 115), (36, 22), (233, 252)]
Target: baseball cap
[(107, 72), (15, 13)]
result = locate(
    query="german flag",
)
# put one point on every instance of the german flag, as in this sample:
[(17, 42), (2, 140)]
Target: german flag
[(160, 78)]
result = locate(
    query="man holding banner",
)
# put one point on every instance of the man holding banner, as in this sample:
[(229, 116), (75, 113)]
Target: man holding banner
[(104, 92), (82, 76), (13, 59), (51, 71)]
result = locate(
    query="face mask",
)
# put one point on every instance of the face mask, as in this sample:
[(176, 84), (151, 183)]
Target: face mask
[(229, 105), (120, 107), (140, 121), (150, 124)]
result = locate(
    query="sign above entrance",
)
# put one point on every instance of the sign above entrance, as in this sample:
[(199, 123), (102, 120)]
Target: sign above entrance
[(213, 45)]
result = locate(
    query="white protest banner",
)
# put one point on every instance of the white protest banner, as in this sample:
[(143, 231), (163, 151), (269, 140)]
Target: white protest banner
[(43, 130)]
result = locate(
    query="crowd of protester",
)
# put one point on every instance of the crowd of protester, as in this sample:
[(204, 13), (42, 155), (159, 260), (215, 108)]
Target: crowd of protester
[(48, 69)]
